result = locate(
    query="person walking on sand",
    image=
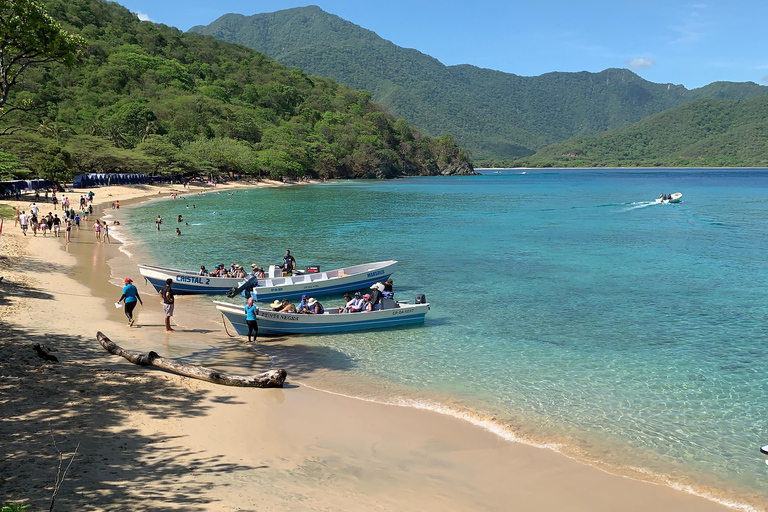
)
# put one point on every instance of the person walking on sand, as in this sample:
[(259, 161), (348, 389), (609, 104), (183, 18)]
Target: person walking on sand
[(69, 231), (23, 220), (130, 296), (166, 293), (56, 224), (158, 222), (105, 230)]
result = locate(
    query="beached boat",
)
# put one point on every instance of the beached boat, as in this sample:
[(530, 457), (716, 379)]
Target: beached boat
[(392, 314), (318, 283), (673, 198)]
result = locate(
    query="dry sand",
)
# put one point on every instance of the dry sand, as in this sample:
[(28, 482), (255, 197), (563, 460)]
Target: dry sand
[(149, 440)]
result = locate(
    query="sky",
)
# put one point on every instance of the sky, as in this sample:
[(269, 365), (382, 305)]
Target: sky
[(665, 41)]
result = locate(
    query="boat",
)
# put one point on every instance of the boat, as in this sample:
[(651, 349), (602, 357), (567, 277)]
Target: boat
[(316, 283), (677, 197), (764, 451), (391, 314)]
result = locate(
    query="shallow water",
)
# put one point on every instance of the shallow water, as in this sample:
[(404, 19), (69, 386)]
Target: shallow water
[(565, 305)]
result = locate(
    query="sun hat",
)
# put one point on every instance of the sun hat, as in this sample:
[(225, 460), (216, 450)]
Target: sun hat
[(312, 302), (128, 280), (357, 294), (366, 296), (378, 286), (276, 303), (253, 265)]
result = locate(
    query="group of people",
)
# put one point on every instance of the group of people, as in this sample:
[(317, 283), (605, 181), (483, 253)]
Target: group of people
[(665, 197), (307, 305), (131, 297), (234, 270)]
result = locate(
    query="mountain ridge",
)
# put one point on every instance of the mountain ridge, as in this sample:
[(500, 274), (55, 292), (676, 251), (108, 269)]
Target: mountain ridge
[(495, 114)]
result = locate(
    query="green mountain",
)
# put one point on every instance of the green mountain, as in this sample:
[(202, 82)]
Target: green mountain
[(496, 115), (703, 133), (146, 97)]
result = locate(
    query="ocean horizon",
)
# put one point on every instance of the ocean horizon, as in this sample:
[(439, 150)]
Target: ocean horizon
[(568, 309)]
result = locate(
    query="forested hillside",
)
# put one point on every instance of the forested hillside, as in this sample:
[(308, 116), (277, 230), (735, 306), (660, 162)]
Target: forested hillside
[(498, 116), (704, 133), (143, 97)]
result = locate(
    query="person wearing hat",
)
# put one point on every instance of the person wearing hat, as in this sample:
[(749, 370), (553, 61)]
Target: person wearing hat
[(314, 307), (303, 306), (378, 289), (367, 306), (276, 305), (356, 304), (130, 296)]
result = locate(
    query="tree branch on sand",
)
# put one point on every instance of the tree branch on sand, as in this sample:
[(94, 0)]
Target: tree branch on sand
[(268, 379)]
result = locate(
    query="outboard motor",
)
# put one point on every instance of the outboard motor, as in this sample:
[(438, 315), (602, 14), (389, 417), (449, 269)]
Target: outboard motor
[(246, 285), (421, 299)]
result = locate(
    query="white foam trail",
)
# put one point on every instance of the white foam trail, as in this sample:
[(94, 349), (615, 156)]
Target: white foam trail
[(643, 204)]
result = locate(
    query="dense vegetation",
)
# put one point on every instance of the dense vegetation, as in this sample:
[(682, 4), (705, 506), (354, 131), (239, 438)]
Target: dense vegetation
[(143, 97), (704, 133), (498, 116)]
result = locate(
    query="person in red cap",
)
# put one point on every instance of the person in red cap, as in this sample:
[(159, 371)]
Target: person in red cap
[(130, 296)]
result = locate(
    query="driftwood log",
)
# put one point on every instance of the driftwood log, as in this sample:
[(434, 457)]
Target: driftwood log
[(268, 379)]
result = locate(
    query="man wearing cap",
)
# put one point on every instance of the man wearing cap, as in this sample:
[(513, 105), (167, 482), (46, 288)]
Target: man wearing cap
[(356, 304), (166, 293), (303, 306), (130, 296)]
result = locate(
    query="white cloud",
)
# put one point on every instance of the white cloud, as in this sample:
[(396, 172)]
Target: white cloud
[(641, 63), (142, 16)]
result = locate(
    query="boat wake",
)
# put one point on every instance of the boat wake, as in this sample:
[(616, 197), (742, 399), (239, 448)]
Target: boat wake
[(638, 205)]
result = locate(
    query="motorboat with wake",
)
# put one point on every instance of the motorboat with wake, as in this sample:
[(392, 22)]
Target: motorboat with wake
[(677, 197)]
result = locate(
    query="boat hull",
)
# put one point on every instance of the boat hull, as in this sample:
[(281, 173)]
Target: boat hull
[(271, 322), (318, 284)]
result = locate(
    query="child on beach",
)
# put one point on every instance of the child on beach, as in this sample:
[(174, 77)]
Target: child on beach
[(97, 229), (105, 230)]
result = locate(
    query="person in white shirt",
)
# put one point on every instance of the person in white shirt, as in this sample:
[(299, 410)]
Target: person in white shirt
[(23, 220)]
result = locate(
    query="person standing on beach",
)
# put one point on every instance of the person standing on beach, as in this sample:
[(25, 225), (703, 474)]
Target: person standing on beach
[(97, 230), (131, 296), (158, 222), (251, 312), (166, 293), (69, 231), (23, 220)]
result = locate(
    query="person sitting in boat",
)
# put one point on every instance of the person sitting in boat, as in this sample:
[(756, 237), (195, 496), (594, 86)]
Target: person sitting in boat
[(276, 305), (203, 271), (662, 196), (356, 304), (388, 292), (287, 307), (240, 273), (315, 308), (347, 301), (303, 306), (367, 305), (216, 271), (376, 293), (257, 271)]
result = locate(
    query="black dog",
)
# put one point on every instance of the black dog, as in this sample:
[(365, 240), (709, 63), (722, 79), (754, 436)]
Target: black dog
[(44, 355)]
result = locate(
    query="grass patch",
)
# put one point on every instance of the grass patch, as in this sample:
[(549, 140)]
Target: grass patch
[(6, 212)]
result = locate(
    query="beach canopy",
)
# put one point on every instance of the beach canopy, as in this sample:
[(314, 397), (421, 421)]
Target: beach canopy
[(101, 179)]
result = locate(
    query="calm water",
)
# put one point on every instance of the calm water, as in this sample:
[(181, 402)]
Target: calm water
[(567, 306)]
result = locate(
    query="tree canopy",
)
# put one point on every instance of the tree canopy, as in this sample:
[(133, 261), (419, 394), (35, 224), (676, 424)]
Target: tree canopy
[(144, 97)]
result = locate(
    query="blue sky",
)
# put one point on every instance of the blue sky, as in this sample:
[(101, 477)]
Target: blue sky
[(664, 41)]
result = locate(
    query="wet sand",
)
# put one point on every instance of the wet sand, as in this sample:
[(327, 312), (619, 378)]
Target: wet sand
[(151, 440)]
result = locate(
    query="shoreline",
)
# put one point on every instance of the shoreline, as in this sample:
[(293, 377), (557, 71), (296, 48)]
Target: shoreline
[(328, 451)]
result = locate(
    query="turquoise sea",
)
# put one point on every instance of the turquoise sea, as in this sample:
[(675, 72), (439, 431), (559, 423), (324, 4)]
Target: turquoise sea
[(568, 309)]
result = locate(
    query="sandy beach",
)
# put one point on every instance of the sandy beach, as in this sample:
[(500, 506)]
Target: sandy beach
[(146, 439)]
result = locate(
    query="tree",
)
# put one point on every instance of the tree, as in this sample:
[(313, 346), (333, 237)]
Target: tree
[(29, 37)]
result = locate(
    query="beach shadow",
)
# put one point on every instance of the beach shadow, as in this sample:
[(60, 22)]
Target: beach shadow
[(84, 400), (9, 289)]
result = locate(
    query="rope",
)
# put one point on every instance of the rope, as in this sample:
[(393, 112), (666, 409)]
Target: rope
[(225, 326)]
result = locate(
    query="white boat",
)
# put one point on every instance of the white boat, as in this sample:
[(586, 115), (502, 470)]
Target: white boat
[(270, 322), (673, 198), (318, 283)]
